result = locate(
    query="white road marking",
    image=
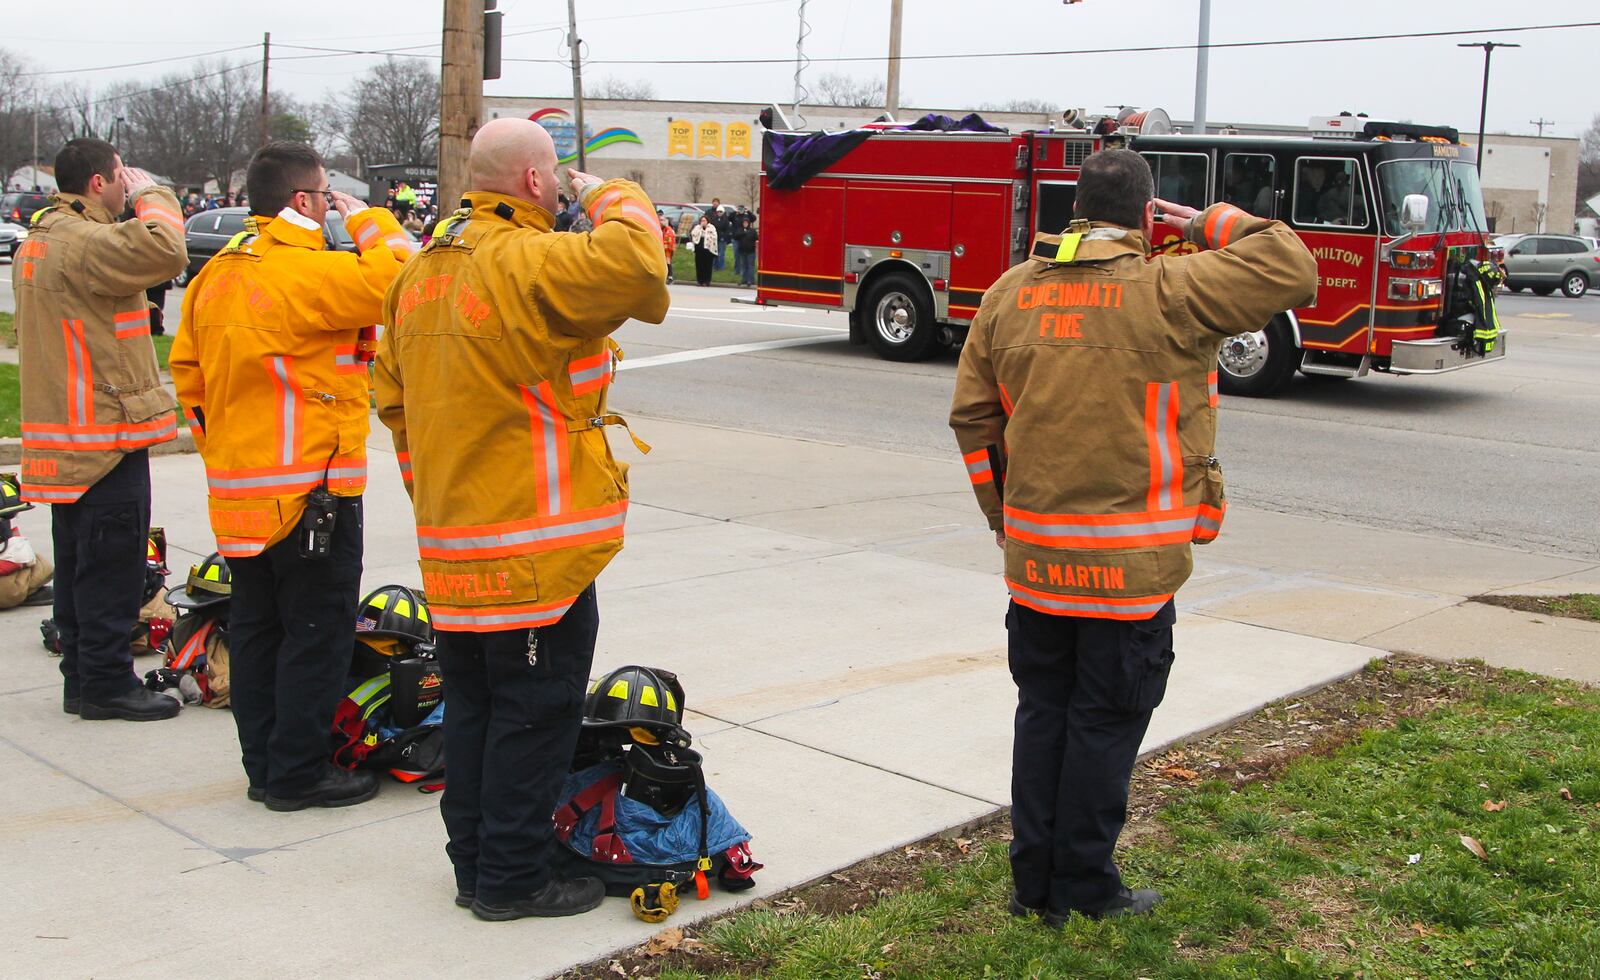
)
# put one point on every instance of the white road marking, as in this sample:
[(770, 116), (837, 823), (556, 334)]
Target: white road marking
[(758, 323), (704, 353)]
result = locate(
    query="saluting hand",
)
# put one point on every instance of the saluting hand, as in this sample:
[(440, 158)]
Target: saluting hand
[(345, 204), (135, 180), (581, 181), (1175, 215)]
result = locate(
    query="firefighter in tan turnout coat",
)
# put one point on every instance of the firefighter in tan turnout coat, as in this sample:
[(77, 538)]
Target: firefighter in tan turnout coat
[(92, 405), (1085, 409)]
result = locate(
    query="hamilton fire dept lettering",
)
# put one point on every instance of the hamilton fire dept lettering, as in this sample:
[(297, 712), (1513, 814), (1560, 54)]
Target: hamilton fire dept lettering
[(1328, 253), (1078, 576)]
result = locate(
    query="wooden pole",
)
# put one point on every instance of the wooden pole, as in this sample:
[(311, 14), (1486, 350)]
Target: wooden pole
[(460, 96), (577, 81), (891, 107), (266, 110)]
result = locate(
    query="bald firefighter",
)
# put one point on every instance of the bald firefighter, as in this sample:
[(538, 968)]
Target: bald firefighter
[(270, 364), (492, 374), (1085, 408), (92, 405)]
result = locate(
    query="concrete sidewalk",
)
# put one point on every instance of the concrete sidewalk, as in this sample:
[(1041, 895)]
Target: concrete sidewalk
[(836, 617)]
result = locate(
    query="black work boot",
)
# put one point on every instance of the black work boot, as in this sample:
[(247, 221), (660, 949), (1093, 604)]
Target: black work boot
[(557, 897), (139, 704), (1126, 903), (71, 704), (1021, 909), (44, 595), (337, 787), (255, 794)]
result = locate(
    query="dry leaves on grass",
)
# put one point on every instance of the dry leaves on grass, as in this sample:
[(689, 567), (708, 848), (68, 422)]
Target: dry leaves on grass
[(1471, 844), (1566, 794), (1493, 806), (1180, 773), (664, 942)]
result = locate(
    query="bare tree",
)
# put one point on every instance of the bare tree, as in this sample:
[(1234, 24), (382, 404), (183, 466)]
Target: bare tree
[(697, 187), (389, 115), (609, 87), (837, 88), (1037, 106), (1589, 163)]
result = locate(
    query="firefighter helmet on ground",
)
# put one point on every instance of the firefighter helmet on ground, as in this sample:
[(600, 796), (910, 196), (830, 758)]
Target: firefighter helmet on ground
[(11, 502), (635, 697), (394, 610), (210, 583)]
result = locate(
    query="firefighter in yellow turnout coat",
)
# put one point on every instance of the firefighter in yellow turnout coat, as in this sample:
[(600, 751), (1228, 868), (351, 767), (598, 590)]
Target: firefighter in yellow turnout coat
[(492, 373), (1085, 408), (271, 368)]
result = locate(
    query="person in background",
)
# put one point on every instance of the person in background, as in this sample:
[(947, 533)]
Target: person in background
[(563, 213), (744, 255), (704, 240), (669, 243)]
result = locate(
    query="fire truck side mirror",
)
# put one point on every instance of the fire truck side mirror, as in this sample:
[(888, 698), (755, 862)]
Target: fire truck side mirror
[(1414, 212)]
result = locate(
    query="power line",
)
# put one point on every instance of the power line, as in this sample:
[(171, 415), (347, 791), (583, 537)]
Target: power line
[(136, 64), (115, 96), (1140, 49)]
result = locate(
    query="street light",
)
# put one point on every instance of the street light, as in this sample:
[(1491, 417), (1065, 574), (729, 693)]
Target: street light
[(1483, 108)]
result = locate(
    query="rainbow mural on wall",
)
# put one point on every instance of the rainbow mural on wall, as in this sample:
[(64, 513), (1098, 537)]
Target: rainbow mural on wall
[(563, 131)]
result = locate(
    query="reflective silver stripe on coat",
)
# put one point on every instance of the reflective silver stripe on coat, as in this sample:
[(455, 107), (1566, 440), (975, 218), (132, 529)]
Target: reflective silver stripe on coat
[(506, 619), (286, 452), (1173, 525), (524, 537), (1164, 451), (981, 466), (1088, 604), (102, 438), (590, 374)]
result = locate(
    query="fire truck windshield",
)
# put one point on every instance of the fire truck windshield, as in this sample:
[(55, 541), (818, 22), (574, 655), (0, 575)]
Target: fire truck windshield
[(1455, 200)]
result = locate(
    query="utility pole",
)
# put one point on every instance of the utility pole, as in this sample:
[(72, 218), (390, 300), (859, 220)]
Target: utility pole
[(1541, 122), (1202, 67), (266, 59), (800, 62), (460, 96), (36, 144), (891, 98), (577, 79), (1483, 106)]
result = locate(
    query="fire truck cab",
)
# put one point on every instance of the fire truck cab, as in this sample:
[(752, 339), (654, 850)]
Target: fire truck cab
[(905, 230)]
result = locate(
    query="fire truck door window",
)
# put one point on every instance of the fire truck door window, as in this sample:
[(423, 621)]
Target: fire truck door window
[(1055, 199), (1182, 178), (1327, 191), (1249, 181)]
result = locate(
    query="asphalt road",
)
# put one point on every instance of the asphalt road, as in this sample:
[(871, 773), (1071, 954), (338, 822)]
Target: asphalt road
[(1508, 453)]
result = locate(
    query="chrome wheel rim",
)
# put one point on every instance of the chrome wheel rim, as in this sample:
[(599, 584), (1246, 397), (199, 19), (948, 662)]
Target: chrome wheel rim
[(1244, 355), (895, 317)]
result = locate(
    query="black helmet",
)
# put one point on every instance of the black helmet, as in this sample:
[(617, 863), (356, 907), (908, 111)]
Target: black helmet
[(635, 697), (155, 563), (210, 583), (11, 502), (394, 610)]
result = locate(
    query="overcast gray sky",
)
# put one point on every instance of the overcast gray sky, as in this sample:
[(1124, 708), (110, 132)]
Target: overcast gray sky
[(1426, 80)]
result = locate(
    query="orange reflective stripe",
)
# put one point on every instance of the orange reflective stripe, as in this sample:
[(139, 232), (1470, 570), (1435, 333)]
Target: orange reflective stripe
[(342, 472), (1208, 522), (1006, 404), (638, 213), (80, 375), (405, 466), (35, 493), (290, 408), (1161, 435), (347, 360), (240, 547), (194, 649), (490, 619), (1224, 216), (604, 201), (364, 230), (550, 463), (1224, 233), (978, 468), (126, 435), (522, 537), (134, 323), (1135, 530), (591, 373), (1211, 389), (1092, 606), (153, 209)]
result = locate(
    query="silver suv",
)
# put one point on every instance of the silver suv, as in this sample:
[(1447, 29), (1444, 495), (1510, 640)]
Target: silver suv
[(1545, 263)]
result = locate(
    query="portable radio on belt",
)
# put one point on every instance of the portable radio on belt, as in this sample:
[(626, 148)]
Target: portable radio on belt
[(316, 524)]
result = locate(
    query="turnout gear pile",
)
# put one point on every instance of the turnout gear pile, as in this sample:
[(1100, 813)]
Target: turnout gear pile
[(1094, 337), (392, 719), (92, 390), (1470, 300), (499, 305), (636, 812), (271, 369), (195, 654)]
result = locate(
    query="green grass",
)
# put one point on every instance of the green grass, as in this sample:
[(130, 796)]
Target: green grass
[(10, 400), (1578, 605), (8, 330), (1304, 875), (683, 267), (163, 345)]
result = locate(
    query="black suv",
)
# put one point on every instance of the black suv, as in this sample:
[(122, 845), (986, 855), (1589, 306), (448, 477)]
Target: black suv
[(208, 232), (17, 207)]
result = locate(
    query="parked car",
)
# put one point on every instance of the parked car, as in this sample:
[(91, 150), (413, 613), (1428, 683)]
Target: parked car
[(1545, 263), (682, 216), (209, 232), (11, 238), (17, 207)]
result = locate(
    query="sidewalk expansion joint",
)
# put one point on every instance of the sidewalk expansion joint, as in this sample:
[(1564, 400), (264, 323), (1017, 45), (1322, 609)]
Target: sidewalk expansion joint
[(222, 852)]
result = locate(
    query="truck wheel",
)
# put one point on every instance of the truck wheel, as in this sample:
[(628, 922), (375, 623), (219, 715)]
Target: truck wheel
[(182, 278), (1259, 364), (898, 318), (1575, 285)]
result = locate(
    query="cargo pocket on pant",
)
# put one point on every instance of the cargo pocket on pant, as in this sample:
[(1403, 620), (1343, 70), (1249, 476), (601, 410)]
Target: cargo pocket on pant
[(1146, 661), (1213, 502)]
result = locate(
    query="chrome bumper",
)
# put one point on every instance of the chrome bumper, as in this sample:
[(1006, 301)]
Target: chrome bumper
[(1438, 355)]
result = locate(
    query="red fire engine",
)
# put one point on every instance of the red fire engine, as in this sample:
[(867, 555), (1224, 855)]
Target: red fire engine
[(905, 230)]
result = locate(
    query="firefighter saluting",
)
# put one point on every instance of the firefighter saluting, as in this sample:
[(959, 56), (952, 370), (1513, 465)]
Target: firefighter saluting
[(271, 367), (492, 374), (92, 405), (1085, 408)]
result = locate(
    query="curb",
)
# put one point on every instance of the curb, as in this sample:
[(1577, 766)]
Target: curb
[(11, 448)]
